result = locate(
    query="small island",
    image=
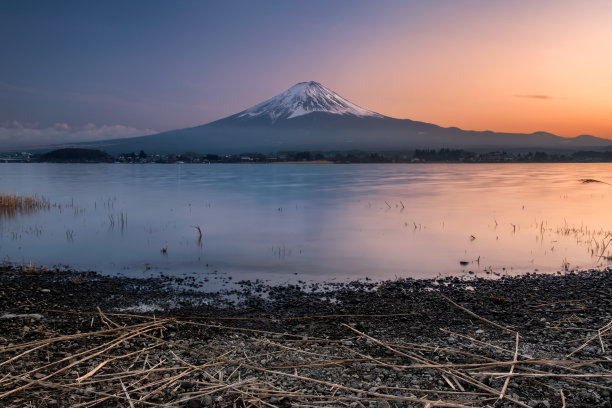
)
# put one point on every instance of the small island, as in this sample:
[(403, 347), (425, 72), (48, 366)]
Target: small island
[(76, 155)]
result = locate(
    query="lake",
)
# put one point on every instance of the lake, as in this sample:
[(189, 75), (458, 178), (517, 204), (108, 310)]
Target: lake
[(291, 222)]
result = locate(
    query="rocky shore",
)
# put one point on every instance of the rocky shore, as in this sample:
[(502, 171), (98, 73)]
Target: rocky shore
[(81, 339)]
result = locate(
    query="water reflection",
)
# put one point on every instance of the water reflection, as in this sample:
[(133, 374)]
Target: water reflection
[(312, 222)]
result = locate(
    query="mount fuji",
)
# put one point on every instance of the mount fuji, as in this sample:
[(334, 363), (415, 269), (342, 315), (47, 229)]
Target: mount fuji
[(309, 116)]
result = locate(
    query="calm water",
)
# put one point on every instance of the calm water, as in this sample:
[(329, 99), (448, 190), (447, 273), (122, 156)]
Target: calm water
[(311, 222)]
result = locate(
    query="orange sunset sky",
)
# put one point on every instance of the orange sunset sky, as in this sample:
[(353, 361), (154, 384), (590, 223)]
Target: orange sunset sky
[(503, 67), (100, 69)]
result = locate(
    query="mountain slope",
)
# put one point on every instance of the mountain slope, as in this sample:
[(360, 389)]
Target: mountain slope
[(309, 116)]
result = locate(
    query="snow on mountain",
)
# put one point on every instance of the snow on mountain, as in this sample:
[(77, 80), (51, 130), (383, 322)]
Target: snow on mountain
[(304, 98)]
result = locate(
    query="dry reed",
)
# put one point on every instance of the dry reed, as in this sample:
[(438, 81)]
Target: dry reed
[(14, 204), (143, 361)]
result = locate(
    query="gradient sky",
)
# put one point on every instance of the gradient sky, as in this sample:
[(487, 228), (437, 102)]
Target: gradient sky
[(81, 70)]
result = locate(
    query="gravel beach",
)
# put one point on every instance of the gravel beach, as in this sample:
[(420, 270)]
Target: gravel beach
[(71, 338)]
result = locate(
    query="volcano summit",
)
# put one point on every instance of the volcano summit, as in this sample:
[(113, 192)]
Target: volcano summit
[(302, 99)]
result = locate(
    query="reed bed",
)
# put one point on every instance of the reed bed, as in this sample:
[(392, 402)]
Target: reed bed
[(147, 361), (14, 204)]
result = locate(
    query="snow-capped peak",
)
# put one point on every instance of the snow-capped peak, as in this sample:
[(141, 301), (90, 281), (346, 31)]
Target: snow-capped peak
[(304, 98)]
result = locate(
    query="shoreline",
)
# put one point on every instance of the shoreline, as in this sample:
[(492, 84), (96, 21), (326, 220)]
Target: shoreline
[(394, 343)]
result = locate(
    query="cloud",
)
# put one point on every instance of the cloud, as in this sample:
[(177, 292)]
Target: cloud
[(21, 135), (542, 97)]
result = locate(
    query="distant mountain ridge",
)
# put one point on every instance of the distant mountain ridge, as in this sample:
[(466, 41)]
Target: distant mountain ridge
[(309, 116)]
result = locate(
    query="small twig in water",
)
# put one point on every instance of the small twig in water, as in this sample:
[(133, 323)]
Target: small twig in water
[(197, 227)]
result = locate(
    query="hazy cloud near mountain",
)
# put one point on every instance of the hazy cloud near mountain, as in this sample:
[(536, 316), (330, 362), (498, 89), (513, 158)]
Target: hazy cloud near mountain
[(543, 97), (18, 135)]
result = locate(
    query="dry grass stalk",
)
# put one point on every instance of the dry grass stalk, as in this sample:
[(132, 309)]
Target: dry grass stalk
[(358, 391), (499, 326), (562, 398), (127, 395), (601, 331), (507, 381), (466, 378)]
